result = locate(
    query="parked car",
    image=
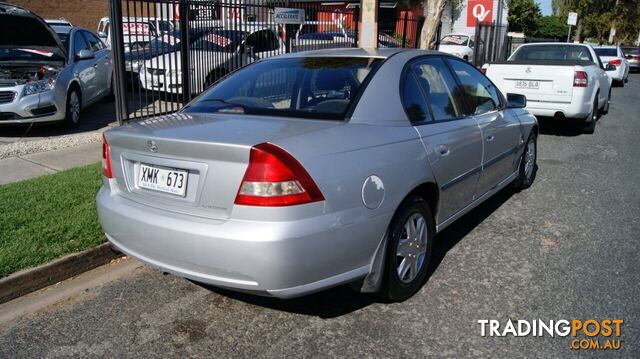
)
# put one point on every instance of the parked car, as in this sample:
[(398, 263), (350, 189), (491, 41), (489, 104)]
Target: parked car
[(48, 75), (460, 45), (613, 55), (559, 80), (213, 55), (309, 170), (337, 39), (632, 54), (136, 31), (161, 45)]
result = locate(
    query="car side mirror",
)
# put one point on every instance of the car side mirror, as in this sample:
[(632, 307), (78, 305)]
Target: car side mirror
[(610, 67), (102, 34), (516, 101), (85, 54)]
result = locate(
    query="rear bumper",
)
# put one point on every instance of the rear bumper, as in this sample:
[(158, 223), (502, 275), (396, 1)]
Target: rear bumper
[(281, 259), (574, 109)]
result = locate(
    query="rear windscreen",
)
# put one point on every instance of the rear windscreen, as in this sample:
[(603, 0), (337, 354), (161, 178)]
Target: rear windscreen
[(552, 52), (606, 52), (307, 87)]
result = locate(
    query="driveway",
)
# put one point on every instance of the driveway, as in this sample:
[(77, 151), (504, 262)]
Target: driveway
[(568, 248)]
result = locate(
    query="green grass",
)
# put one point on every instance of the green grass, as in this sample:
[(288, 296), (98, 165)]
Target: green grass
[(47, 217)]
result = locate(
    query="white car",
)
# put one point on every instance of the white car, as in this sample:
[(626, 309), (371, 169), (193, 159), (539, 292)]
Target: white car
[(559, 80), (136, 31), (213, 55), (460, 45), (613, 55)]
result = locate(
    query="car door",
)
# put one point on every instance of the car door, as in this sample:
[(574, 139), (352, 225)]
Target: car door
[(501, 132), (102, 63), (434, 104), (84, 70)]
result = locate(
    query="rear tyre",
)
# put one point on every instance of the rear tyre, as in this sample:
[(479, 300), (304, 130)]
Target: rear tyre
[(409, 246), (589, 126), (74, 105), (528, 167)]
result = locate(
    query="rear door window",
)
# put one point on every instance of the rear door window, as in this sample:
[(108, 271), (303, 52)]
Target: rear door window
[(413, 100), (439, 85), (481, 94)]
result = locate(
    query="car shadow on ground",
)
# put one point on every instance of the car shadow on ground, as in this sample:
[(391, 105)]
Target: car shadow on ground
[(341, 300), (556, 127)]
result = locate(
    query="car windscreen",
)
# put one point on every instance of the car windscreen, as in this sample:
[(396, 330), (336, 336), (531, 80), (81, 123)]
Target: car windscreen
[(606, 52), (306, 87), (552, 52), (219, 40), (631, 50), (164, 42), (454, 40)]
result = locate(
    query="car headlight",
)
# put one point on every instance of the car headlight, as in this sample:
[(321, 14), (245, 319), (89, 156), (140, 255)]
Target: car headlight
[(35, 87)]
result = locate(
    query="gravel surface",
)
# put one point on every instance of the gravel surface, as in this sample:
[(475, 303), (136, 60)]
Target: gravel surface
[(567, 248), (21, 148)]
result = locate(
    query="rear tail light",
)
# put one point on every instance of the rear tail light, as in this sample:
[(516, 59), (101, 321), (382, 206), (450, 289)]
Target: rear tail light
[(615, 62), (580, 79), (274, 178), (636, 57), (483, 69), (106, 158)]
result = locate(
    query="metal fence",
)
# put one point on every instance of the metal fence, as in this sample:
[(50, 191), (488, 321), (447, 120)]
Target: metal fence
[(400, 31), (168, 51), (491, 43)]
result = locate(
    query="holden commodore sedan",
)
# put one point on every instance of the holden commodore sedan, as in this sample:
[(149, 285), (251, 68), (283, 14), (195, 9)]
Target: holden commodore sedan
[(309, 170)]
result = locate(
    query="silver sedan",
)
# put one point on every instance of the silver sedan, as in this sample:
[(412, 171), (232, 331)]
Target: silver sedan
[(309, 170), (48, 73)]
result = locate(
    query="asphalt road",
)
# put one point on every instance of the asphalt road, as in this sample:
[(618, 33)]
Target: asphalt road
[(567, 248)]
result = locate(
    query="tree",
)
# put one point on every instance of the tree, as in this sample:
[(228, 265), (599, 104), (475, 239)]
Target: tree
[(523, 15), (550, 27), (429, 30)]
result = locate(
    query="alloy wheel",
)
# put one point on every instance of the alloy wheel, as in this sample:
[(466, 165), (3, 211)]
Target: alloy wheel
[(412, 247), (74, 103), (530, 158)]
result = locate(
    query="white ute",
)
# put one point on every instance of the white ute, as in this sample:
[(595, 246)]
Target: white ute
[(559, 80)]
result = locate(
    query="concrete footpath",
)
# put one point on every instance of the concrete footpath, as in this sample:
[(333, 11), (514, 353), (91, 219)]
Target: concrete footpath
[(14, 169)]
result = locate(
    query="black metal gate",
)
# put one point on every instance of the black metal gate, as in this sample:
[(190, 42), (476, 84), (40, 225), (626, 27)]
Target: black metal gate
[(491, 43), (167, 51)]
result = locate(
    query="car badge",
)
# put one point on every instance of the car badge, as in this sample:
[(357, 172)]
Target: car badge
[(152, 146), (528, 70)]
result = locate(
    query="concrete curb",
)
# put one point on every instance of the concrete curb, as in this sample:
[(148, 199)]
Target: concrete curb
[(32, 279)]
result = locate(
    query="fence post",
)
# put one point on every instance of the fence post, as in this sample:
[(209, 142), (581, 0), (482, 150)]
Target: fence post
[(476, 49), (356, 20), (184, 51), (117, 53), (438, 36), (404, 29)]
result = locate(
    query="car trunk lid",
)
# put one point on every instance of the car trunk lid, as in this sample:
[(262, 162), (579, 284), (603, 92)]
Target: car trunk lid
[(213, 150), (539, 83)]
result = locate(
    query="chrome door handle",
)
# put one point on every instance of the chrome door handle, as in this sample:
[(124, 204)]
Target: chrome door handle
[(490, 138), (443, 150)]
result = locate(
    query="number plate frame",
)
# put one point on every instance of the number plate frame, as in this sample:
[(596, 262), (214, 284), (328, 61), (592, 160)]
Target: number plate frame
[(148, 173)]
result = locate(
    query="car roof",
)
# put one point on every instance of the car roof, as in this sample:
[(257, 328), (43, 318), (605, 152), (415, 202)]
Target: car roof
[(350, 52)]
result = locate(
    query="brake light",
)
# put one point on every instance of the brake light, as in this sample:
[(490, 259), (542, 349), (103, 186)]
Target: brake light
[(615, 62), (106, 158), (484, 68), (275, 178), (636, 57), (580, 79)]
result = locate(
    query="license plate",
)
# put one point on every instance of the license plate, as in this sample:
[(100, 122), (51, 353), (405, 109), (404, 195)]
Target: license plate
[(521, 84), (172, 181)]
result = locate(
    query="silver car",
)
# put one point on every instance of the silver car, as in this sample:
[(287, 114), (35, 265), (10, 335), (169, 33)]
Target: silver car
[(309, 170), (48, 73)]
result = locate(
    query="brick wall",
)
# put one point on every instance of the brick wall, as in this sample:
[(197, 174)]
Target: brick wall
[(84, 13)]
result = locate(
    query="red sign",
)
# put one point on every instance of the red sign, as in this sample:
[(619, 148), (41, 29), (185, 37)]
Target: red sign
[(479, 11)]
